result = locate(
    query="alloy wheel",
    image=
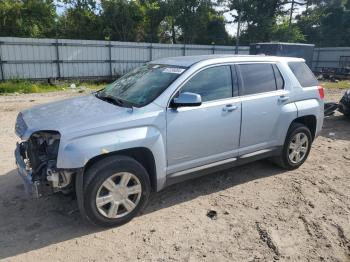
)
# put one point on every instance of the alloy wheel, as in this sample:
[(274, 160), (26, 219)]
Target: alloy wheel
[(298, 148), (118, 195)]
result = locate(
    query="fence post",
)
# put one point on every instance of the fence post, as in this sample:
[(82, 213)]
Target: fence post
[(318, 57), (213, 49), (57, 59), (110, 59), (151, 52), (184, 49), (1, 63)]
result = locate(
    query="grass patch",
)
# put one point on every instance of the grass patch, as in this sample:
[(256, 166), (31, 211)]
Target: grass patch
[(344, 84), (26, 87), (22, 86)]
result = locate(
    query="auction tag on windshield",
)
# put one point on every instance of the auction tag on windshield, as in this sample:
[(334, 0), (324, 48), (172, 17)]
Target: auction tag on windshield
[(173, 70)]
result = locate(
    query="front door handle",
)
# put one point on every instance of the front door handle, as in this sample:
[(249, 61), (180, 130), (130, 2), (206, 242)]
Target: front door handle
[(283, 98), (230, 108)]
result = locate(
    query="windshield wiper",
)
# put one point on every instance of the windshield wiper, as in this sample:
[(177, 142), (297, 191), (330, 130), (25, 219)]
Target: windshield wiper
[(114, 100)]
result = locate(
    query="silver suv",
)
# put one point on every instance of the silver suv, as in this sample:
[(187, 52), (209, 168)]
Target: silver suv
[(169, 120)]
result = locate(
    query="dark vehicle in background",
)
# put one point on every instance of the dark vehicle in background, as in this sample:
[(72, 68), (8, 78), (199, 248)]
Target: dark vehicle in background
[(304, 51)]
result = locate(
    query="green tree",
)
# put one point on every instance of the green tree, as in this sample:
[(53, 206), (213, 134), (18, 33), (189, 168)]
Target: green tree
[(216, 31), (188, 19), (154, 13), (80, 20), (211, 25), (169, 26), (199, 22), (335, 27), (11, 18), (327, 23), (286, 32), (259, 18), (309, 23), (121, 19), (27, 18)]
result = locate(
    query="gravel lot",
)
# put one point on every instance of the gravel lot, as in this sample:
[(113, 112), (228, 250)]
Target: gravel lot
[(263, 212)]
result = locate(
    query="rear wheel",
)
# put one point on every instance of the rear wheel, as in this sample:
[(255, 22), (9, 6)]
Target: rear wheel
[(296, 147), (115, 190)]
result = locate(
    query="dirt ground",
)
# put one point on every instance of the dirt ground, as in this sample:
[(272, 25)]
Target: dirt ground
[(263, 212)]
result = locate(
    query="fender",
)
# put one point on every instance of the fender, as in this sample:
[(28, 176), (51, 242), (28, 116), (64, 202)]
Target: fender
[(75, 153), (307, 107), (313, 107), (289, 112)]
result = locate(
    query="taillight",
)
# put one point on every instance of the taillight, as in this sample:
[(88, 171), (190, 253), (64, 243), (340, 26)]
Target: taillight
[(321, 91)]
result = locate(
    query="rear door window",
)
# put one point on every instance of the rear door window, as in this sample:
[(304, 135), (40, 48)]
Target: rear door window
[(303, 73), (256, 78)]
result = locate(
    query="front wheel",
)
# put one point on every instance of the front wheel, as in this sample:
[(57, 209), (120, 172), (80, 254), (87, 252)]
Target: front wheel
[(296, 147), (115, 190)]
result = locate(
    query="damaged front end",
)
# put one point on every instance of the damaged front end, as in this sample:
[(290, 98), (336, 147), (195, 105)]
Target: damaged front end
[(36, 161)]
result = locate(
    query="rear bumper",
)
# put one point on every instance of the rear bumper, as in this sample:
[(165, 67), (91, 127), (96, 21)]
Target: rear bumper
[(32, 188)]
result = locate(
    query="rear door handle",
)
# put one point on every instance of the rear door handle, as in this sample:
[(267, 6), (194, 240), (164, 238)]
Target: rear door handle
[(283, 98), (230, 108)]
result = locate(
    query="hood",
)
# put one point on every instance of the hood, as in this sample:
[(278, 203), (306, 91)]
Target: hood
[(69, 115)]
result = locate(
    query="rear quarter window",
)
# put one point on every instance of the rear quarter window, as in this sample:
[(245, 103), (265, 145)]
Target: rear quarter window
[(279, 78), (303, 73)]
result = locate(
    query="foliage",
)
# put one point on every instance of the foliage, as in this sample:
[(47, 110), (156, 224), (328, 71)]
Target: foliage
[(154, 13), (283, 32), (121, 19), (199, 22), (24, 86), (335, 27), (259, 17), (309, 25), (327, 24), (323, 22), (80, 20), (344, 84), (27, 18)]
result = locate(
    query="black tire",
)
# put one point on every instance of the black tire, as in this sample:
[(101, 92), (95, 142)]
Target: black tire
[(98, 173), (283, 160)]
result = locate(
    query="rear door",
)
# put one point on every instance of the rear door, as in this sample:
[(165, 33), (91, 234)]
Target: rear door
[(261, 88)]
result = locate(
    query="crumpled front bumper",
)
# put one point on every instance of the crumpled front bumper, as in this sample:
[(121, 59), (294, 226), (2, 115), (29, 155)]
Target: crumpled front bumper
[(32, 188)]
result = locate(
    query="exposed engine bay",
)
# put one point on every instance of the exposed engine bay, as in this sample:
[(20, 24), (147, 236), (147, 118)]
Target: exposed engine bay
[(39, 154)]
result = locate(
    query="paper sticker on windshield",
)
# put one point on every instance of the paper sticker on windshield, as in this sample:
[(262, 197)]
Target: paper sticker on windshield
[(173, 70)]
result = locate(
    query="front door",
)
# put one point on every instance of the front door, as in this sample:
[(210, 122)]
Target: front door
[(209, 133)]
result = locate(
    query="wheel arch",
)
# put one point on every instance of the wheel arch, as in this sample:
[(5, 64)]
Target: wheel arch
[(310, 121), (141, 154)]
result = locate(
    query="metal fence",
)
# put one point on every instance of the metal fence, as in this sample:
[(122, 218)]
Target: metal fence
[(331, 57), (29, 58)]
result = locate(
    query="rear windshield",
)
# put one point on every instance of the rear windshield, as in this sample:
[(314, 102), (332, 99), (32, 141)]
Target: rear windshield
[(303, 73)]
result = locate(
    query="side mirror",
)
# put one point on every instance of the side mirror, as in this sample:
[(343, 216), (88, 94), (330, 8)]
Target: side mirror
[(186, 99)]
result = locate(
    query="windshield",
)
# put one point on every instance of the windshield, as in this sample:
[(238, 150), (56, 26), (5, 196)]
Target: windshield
[(142, 85)]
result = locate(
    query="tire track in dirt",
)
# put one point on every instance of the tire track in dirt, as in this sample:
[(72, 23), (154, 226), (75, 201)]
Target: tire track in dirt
[(345, 242), (265, 237)]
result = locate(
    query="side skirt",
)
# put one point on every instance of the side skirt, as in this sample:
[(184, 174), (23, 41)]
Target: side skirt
[(221, 165)]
